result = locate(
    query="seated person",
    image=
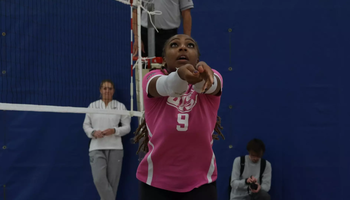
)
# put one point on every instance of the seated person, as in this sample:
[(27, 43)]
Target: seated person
[(251, 175)]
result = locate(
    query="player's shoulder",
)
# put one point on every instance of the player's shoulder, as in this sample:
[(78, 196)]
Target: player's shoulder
[(153, 73)]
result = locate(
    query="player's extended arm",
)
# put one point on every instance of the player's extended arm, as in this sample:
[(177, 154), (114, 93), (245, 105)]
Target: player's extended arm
[(175, 84)]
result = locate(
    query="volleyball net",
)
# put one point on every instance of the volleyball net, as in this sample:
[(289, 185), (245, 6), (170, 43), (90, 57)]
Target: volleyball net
[(54, 55)]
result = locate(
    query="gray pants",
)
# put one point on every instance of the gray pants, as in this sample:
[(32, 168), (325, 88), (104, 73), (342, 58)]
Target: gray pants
[(261, 195), (106, 167)]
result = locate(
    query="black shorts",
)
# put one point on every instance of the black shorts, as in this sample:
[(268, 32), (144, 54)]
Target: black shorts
[(204, 192), (160, 39)]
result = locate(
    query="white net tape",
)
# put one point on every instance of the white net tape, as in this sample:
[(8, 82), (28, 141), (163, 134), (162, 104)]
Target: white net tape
[(63, 109)]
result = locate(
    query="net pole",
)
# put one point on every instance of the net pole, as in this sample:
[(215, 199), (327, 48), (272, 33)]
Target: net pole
[(150, 30), (131, 62), (140, 56)]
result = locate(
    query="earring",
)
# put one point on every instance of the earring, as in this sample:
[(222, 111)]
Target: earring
[(164, 70)]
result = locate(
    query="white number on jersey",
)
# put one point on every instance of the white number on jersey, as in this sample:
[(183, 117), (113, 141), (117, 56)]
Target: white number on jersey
[(182, 120)]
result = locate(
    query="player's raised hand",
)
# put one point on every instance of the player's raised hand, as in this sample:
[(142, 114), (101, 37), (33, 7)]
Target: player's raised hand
[(207, 74), (189, 73)]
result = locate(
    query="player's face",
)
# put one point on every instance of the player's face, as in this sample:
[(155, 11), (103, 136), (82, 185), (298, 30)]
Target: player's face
[(180, 50), (254, 157), (107, 91)]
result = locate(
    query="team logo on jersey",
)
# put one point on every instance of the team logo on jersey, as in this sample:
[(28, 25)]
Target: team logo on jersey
[(185, 103)]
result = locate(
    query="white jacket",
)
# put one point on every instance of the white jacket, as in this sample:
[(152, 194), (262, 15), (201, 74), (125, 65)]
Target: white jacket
[(95, 122)]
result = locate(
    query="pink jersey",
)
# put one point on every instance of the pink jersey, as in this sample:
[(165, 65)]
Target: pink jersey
[(180, 156)]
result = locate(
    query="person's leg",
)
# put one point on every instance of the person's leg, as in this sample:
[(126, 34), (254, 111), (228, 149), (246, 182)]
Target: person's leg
[(144, 38), (261, 195), (98, 164), (161, 38), (148, 192), (204, 192), (159, 41), (114, 168)]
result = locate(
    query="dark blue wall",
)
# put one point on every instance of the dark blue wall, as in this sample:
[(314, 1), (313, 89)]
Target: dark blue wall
[(285, 69)]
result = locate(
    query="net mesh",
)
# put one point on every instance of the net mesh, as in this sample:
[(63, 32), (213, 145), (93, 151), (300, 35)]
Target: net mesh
[(57, 52)]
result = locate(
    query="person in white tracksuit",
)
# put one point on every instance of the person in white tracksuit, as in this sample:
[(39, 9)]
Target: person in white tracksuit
[(106, 148)]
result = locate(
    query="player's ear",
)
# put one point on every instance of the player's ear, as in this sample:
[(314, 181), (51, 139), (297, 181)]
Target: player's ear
[(164, 62), (164, 69)]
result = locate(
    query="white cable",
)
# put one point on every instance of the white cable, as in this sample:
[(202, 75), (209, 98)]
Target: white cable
[(139, 64), (156, 12)]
